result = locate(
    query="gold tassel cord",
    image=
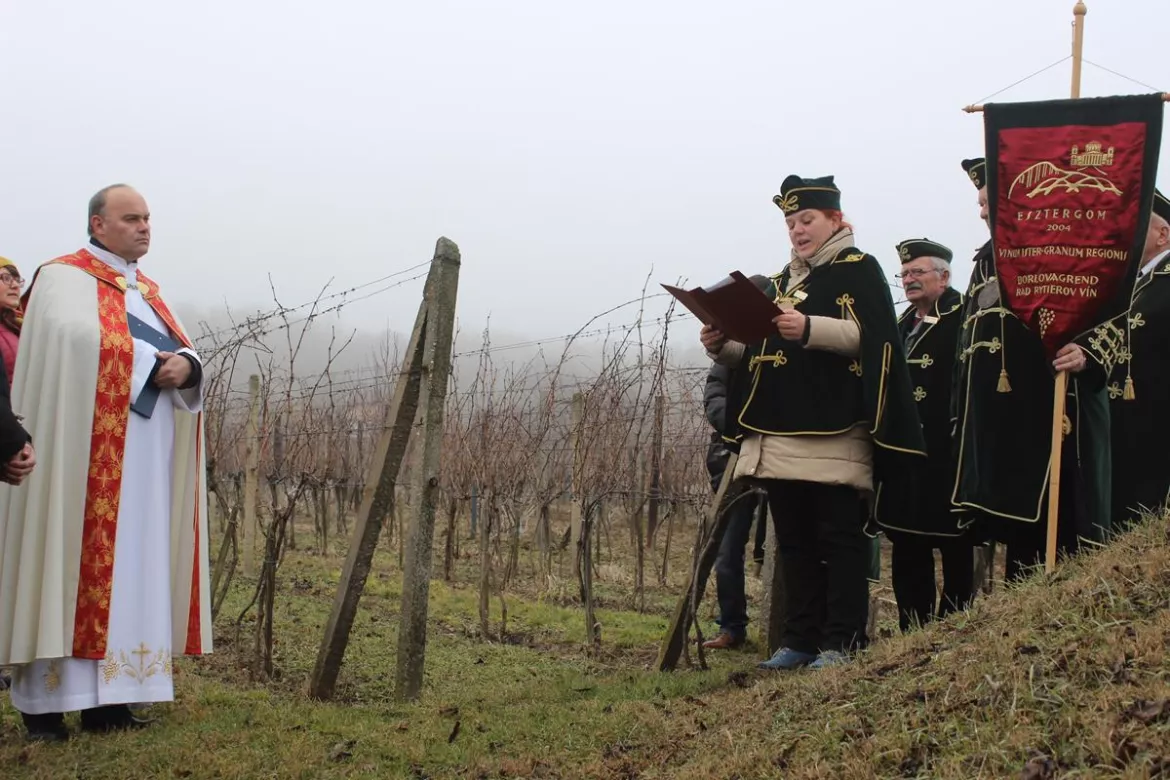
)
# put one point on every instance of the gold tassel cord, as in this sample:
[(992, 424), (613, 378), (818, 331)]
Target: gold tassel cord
[(1004, 386), (1128, 393)]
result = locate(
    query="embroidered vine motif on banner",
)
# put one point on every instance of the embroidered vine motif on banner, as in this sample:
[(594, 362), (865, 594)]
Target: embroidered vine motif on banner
[(1046, 318)]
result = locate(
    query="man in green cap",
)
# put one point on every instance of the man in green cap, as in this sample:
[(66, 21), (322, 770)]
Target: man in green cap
[(930, 329)]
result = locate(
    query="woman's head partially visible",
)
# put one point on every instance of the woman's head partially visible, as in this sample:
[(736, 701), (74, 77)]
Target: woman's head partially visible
[(812, 211), (10, 288)]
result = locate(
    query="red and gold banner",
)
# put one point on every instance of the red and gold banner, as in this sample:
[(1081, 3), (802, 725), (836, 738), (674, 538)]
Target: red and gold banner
[(1070, 188)]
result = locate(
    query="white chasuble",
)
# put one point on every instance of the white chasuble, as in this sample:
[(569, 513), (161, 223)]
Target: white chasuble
[(95, 603)]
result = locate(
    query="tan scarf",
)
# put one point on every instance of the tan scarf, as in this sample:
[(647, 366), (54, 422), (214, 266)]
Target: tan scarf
[(800, 268)]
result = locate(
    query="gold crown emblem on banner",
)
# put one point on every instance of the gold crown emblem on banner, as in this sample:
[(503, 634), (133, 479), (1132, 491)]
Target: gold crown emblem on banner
[(1045, 177), (1092, 157)]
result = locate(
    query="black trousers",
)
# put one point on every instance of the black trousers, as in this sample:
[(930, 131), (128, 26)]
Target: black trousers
[(824, 560), (915, 586), (729, 567)]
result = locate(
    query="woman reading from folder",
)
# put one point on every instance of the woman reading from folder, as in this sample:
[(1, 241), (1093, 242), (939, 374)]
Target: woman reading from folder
[(825, 418)]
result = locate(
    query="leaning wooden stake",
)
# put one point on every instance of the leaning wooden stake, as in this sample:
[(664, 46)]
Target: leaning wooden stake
[(714, 527), (435, 369), (378, 493)]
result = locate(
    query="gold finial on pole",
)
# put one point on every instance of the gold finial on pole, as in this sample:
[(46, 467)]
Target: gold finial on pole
[(1078, 47)]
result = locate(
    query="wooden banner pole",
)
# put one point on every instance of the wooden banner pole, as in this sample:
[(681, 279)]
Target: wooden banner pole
[(1079, 12), (1058, 400), (1060, 387)]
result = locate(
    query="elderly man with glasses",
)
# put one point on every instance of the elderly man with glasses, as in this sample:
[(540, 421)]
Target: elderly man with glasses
[(930, 330)]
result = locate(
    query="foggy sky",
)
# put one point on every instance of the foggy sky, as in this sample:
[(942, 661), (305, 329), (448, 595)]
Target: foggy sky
[(566, 148)]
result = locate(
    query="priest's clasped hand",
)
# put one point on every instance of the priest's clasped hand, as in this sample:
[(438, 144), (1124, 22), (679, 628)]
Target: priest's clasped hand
[(174, 372), (1070, 358), (791, 325), (20, 466)]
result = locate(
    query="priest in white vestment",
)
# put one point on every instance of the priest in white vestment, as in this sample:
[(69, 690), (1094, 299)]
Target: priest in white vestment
[(103, 550)]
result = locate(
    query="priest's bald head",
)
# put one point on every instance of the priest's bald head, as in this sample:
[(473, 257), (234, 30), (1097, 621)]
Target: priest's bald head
[(120, 221)]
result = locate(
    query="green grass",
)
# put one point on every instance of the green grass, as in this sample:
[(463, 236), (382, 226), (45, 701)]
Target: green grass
[(535, 697), (1066, 678)]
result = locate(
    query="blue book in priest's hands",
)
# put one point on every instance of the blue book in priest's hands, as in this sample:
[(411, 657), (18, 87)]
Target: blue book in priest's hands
[(144, 404)]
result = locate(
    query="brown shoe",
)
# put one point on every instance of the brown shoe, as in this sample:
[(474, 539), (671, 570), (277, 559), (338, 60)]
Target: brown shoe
[(724, 641)]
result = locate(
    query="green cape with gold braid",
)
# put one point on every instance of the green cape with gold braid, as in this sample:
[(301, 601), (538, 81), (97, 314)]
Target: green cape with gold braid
[(788, 390), (931, 359), (1002, 407), (1135, 349)]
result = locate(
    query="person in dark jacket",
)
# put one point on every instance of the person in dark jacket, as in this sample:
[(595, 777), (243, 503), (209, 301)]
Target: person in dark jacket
[(930, 327), (1002, 435), (729, 565), (1139, 426), (828, 424)]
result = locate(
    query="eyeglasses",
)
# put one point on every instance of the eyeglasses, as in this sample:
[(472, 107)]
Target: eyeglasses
[(915, 273), (10, 280)]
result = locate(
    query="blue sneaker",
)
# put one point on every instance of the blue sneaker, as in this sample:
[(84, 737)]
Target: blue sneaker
[(787, 658), (829, 658)]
